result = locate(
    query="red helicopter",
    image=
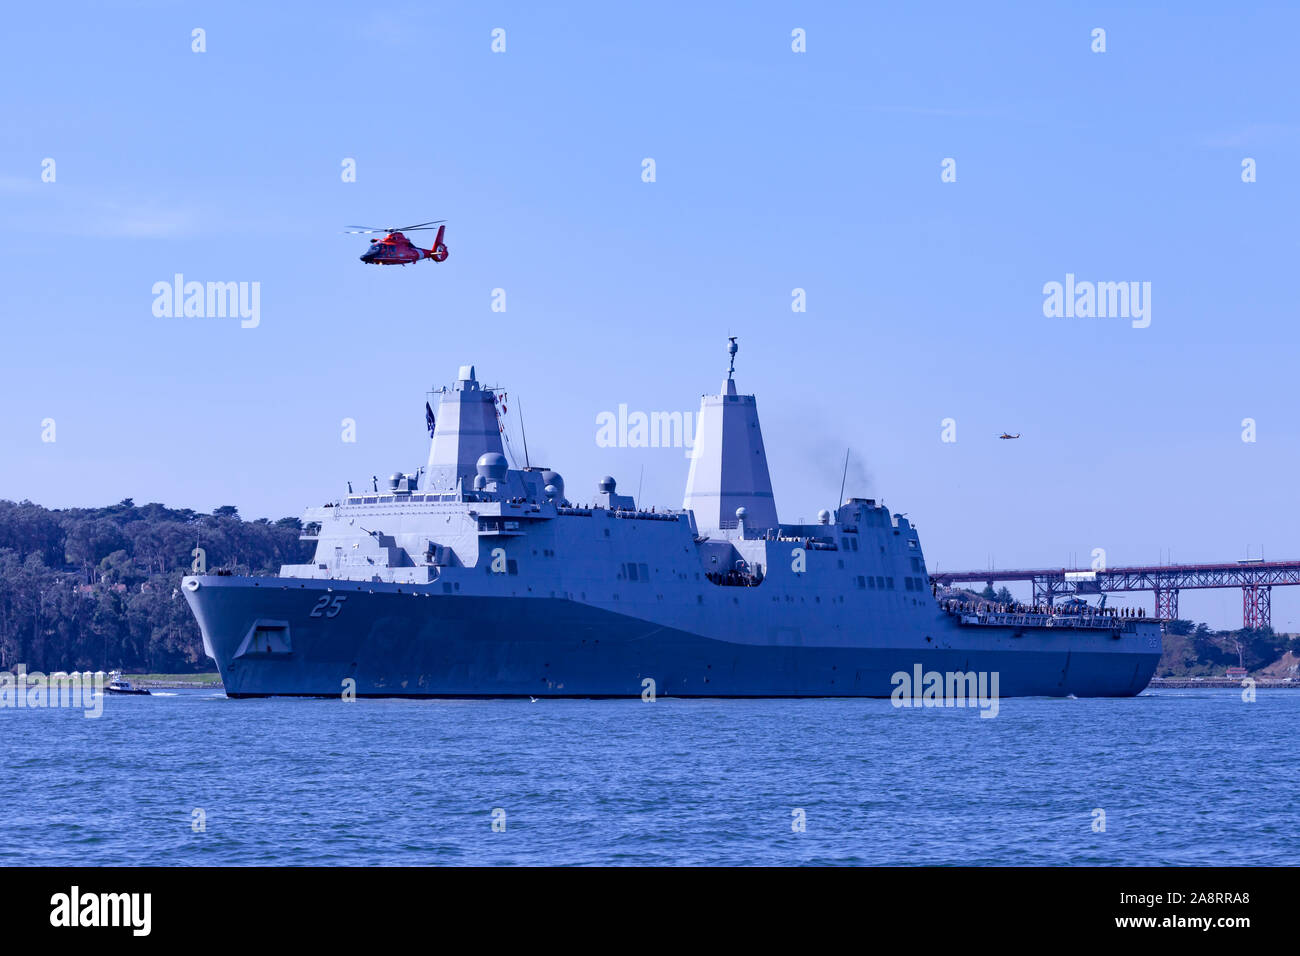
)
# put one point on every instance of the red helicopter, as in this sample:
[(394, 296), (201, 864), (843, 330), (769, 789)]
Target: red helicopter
[(394, 249)]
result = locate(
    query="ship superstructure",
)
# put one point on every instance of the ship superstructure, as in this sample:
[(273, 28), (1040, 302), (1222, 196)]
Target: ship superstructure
[(472, 578)]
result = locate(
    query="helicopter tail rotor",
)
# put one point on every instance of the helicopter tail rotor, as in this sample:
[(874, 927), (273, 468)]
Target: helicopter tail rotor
[(439, 251)]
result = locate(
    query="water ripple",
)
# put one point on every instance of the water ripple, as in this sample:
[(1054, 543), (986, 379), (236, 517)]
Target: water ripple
[(1184, 777)]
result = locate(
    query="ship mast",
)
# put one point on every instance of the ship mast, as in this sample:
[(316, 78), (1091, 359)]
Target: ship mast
[(728, 463)]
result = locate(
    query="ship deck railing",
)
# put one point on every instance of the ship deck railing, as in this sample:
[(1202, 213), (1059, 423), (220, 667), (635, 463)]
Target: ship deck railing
[(390, 497), (1024, 619), (587, 511), (648, 515)]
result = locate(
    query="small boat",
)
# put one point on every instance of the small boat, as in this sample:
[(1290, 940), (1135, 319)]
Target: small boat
[(120, 685)]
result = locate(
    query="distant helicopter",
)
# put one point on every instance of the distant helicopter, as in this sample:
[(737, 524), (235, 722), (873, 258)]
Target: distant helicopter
[(1005, 435), (394, 249)]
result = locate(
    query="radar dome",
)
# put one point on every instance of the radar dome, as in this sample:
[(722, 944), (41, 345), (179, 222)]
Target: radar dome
[(492, 466), (607, 485), (550, 477), (824, 516)]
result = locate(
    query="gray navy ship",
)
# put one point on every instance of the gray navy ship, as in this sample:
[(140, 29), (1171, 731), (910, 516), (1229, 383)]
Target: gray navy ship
[(472, 578)]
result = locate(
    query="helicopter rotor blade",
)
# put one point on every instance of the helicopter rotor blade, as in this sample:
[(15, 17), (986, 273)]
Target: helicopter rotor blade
[(364, 230)]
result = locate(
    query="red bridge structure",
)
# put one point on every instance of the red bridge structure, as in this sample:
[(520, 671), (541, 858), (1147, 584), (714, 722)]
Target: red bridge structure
[(1255, 578)]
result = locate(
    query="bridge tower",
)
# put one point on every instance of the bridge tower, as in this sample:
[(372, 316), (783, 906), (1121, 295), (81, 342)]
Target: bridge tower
[(1166, 604), (1257, 605)]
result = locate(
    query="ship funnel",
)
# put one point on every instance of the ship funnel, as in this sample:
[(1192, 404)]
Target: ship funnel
[(728, 463), (466, 429)]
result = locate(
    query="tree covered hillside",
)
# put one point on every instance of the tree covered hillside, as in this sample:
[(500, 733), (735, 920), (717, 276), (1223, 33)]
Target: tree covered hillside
[(98, 588)]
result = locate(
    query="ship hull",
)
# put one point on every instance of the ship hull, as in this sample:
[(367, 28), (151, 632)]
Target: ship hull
[(275, 637)]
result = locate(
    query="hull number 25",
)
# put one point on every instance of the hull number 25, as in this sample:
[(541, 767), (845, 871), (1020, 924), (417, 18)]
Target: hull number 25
[(326, 607)]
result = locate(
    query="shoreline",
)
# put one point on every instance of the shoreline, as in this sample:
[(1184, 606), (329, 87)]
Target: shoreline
[(174, 681), (1272, 683)]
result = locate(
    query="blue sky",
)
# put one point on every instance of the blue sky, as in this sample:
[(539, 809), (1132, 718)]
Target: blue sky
[(774, 170)]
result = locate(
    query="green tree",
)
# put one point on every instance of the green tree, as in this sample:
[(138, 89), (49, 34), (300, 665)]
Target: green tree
[(55, 617)]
